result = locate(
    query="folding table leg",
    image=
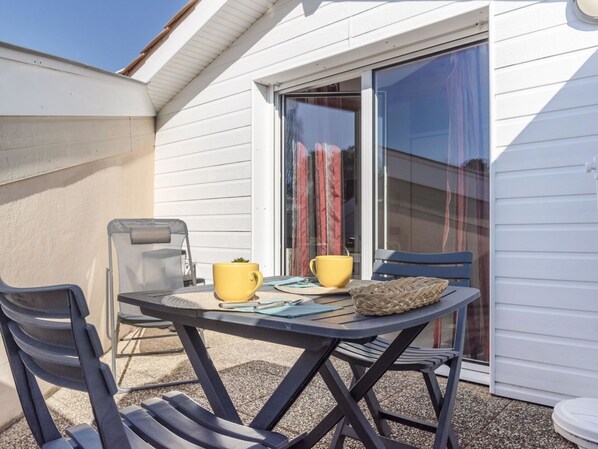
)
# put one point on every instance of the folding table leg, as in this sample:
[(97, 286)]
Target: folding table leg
[(208, 377), (364, 384), (340, 432), (350, 408), (299, 376)]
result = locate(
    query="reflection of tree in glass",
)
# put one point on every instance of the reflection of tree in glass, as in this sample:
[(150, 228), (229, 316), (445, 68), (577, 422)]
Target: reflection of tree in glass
[(293, 129), (478, 165)]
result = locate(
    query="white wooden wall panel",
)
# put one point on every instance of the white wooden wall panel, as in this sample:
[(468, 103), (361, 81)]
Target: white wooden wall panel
[(531, 347), (219, 206), (547, 126), (221, 156), (547, 182), (223, 189), (235, 137), (544, 265), (569, 324), (228, 172), (572, 94), (216, 108), (545, 218), (563, 209), (579, 238), (240, 240), (546, 378), (549, 13), (214, 125), (203, 140), (211, 223), (568, 294), (554, 69), (574, 151)]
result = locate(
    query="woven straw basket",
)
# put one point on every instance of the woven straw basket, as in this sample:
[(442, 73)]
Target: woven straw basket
[(397, 296)]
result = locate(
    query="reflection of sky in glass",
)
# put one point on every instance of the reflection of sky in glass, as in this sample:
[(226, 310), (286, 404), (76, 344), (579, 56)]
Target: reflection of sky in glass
[(316, 124), (413, 106)]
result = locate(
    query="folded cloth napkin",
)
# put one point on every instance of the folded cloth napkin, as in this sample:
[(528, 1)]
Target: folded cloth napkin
[(303, 309), (292, 282), (290, 309)]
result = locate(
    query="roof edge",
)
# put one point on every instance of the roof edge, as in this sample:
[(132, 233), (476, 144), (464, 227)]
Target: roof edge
[(25, 50), (146, 52)]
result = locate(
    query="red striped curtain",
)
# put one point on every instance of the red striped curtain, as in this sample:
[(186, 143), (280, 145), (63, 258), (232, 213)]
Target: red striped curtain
[(467, 196), (317, 204)]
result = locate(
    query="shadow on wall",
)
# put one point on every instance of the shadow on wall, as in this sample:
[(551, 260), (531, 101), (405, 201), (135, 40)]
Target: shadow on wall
[(545, 217)]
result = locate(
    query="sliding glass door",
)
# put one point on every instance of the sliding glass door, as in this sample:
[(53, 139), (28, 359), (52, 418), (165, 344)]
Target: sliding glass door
[(432, 178), (321, 183)]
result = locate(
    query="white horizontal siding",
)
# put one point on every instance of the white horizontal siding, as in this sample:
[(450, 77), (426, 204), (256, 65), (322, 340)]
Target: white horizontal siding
[(210, 158), (542, 210), (203, 141), (545, 223), (206, 175), (221, 189), (219, 206), (530, 347), (548, 378), (553, 294), (568, 324), (566, 238)]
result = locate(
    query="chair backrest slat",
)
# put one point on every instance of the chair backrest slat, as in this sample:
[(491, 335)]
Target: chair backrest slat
[(56, 344), (455, 266)]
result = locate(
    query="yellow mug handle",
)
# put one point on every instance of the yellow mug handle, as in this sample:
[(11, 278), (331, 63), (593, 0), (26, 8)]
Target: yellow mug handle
[(312, 267), (259, 279)]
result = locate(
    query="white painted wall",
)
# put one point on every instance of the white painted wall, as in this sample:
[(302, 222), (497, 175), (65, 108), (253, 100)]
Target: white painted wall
[(64, 177), (545, 110), (545, 215), (34, 83)]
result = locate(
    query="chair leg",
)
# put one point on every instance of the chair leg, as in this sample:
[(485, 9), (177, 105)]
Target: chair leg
[(338, 437), (114, 349), (114, 354), (436, 398)]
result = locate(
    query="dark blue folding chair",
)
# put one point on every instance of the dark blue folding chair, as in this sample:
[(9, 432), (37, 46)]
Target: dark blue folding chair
[(46, 337), (388, 265)]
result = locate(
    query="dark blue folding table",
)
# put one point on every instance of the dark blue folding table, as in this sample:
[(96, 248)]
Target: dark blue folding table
[(318, 335)]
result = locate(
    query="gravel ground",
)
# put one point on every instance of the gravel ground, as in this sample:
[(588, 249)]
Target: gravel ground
[(251, 370)]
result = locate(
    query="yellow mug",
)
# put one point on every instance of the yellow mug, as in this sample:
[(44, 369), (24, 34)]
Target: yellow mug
[(332, 271), (236, 282)]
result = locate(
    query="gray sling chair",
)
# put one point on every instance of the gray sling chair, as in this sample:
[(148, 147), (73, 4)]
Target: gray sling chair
[(388, 265), (46, 337), (150, 257)]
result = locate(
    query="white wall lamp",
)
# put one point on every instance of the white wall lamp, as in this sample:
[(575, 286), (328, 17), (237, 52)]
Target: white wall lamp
[(586, 10)]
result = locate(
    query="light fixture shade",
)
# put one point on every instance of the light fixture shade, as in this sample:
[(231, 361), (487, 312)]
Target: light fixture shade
[(586, 10)]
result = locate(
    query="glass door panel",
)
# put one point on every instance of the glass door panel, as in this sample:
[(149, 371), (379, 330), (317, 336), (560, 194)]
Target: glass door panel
[(432, 170), (321, 185)]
